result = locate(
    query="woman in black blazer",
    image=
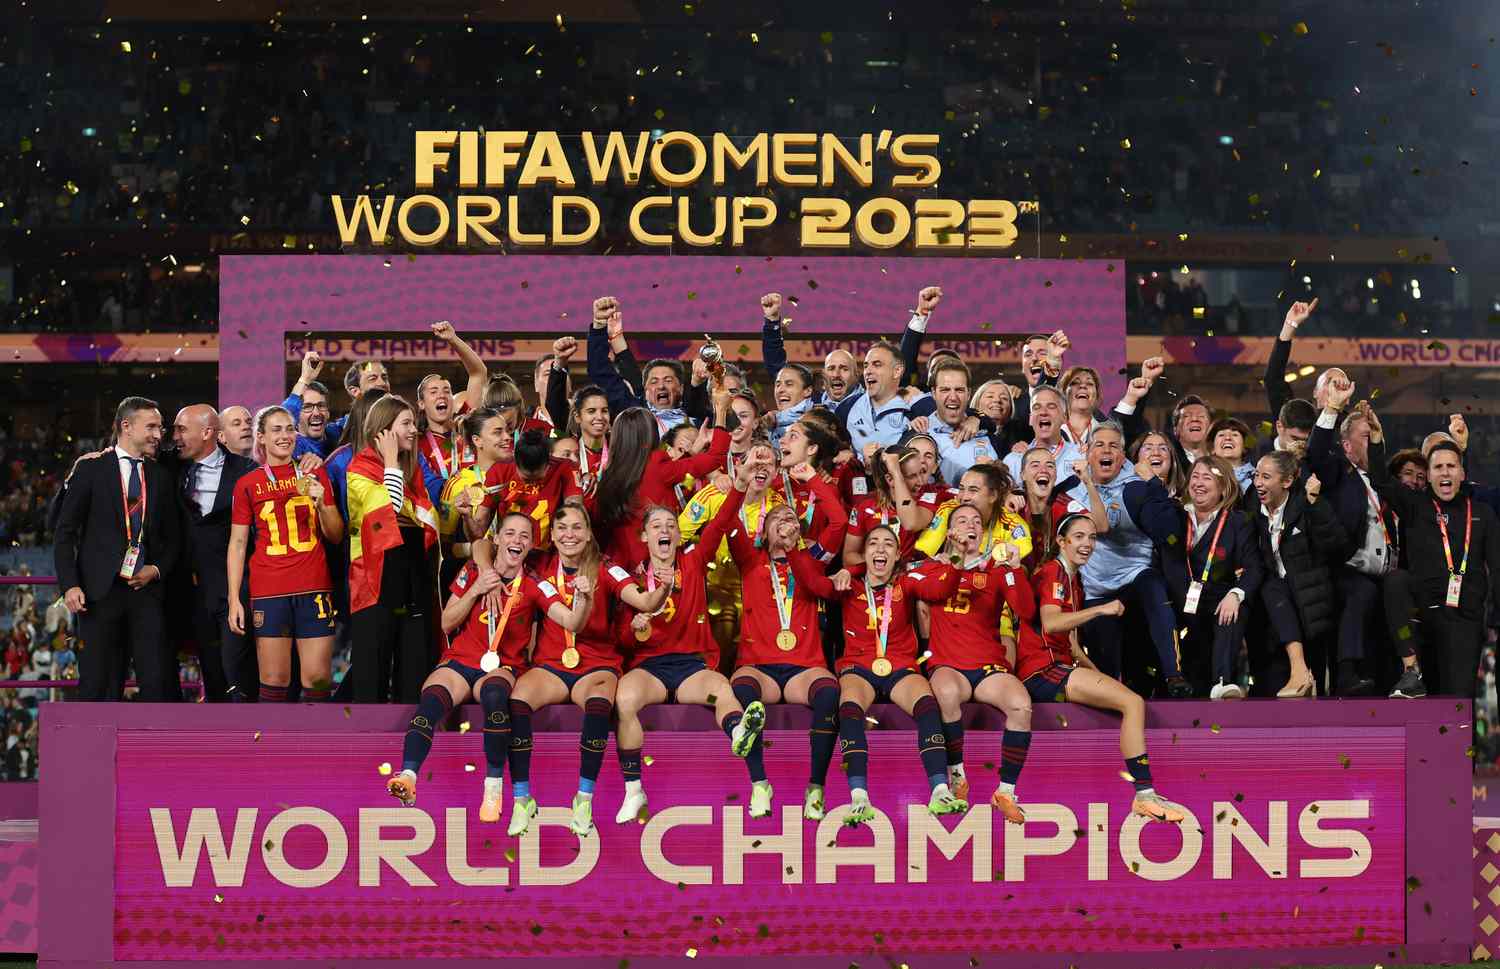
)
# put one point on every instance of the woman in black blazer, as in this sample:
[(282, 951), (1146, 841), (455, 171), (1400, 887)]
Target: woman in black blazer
[(1208, 552)]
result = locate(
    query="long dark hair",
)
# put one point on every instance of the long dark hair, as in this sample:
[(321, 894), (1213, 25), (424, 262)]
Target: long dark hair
[(632, 441), (879, 473), (997, 479), (354, 426), (820, 435), (575, 428)]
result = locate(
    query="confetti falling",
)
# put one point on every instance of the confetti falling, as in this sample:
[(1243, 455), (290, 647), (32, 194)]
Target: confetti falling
[(385, 769)]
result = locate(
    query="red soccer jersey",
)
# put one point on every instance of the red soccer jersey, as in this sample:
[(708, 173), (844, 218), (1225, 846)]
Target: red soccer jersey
[(1037, 650), (506, 491), (820, 510), (852, 482), (467, 644), (931, 582), (932, 497), (682, 624), (868, 514), (595, 642), (439, 448), (289, 558), (760, 623), (966, 627), (1044, 530), (539, 420), (658, 486)]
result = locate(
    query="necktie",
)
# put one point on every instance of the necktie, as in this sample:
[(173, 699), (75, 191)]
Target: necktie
[(133, 504)]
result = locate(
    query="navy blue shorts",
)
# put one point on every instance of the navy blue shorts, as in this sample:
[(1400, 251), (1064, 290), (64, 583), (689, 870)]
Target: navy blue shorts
[(306, 616), (1045, 686), (472, 674), (673, 670), (782, 673), (570, 678), (975, 677), (882, 684)]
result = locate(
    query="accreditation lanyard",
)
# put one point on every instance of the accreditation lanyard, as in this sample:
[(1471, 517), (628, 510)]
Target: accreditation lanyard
[(1195, 586), (132, 540), (1380, 516), (497, 629), (791, 499), (881, 617), (1456, 578), (445, 466)]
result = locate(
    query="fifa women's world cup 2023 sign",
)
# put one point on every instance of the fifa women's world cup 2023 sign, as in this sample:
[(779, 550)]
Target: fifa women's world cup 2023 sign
[(557, 169)]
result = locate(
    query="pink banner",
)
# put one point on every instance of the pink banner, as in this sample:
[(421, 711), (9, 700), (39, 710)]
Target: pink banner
[(277, 846)]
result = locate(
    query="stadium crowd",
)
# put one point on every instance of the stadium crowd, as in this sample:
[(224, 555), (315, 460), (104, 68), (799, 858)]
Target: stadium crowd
[(877, 531)]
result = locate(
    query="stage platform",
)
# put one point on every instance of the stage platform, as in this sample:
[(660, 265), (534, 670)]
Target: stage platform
[(1325, 832)]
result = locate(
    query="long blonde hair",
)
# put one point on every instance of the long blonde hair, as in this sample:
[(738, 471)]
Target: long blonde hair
[(382, 416), (592, 556)]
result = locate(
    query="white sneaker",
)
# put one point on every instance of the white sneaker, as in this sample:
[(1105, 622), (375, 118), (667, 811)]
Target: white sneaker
[(494, 791), (747, 731), (631, 807), (812, 803), (1226, 691), (760, 799), (861, 811)]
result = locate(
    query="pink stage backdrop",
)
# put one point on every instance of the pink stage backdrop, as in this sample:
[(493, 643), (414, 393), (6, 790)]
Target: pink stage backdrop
[(1288, 845), (265, 299)]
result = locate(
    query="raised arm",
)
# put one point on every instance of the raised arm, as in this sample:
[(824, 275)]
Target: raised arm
[(772, 340), (1150, 507), (1281, 356), (915, 332), (809, 573), (474, 366), (603, 371), (556, 401)]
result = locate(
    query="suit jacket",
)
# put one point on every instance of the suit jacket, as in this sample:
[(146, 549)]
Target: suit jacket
[(207, 545), (89, 543)]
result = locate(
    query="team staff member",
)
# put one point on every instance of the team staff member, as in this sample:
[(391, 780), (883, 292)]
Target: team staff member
[(207, 472), (118, 535), (1055, 668), (969, 661), (880, 661), (486, 651), (582, 668), (291, 590), (237, 430), (672, 656), (1208, 552), (1452, 547)]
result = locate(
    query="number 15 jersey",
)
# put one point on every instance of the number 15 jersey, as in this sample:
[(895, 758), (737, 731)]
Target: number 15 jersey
[(289, 558)]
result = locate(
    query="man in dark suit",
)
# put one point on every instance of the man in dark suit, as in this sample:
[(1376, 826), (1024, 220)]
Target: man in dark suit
[(118, 537), (205, 473)]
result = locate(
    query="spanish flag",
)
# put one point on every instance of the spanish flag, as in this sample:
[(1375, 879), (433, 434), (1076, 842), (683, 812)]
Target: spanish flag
[(373, 526)]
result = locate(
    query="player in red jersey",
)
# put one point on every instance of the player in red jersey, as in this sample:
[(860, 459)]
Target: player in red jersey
[(897, 474), (933, 492), (667, 650), (969, 660), (1054, 667), (582, 667), (486, 649), (780, 652), (1045, 506), (591, 424), (534, 484), (641, 474), (807, 462), (291, 592), (437, 438), (880, 661)]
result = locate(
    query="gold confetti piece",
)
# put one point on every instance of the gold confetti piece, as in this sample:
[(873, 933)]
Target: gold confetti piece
[(1317, 173), (125, 46), (1062, 720), (1300, 29), (465, 727), (1198, 312), (510, 855), (1213, 728), (218, 898), (1125, 143), (559, 20), (468, 768), (691, 953), (648, 760), (257, 735), (244, 220), (385, 770)]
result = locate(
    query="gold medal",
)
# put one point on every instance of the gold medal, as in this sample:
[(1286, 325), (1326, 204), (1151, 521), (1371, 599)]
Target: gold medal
[(303, 484), (570, 658), (980, 580), (475, 495), (641, 635), (881, 666), (786, 640)]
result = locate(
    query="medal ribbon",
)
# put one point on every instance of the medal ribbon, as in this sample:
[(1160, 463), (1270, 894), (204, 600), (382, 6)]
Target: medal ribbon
[(498, 629), (444, 470), (882, 615), (567, 597), (783, 599)]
